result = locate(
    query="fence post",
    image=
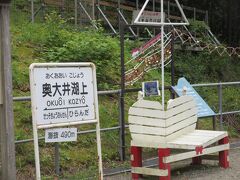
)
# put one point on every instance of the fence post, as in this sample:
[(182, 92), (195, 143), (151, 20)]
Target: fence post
[(137, 7), (214, 122), (172, 66), (220, 104), (154, 9), (32, 10), (93, 9), (206, 18), (76, 12), (168, 9), (122, 92), (7, 146), (194, 14)]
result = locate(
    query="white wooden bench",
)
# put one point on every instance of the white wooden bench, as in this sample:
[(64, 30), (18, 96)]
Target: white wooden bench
[(151, 126)]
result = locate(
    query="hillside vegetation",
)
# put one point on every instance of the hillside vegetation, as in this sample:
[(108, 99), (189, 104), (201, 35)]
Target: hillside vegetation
[(56, 41)]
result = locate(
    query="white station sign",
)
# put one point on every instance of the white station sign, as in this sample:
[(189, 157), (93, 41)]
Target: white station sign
[(63, 94)]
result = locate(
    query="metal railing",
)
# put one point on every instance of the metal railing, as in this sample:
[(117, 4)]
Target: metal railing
[(118, 92)]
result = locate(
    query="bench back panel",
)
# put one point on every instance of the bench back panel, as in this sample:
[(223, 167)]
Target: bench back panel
[(148, 122)]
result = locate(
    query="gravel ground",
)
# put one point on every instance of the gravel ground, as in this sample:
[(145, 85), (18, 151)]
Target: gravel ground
[(209, 170)]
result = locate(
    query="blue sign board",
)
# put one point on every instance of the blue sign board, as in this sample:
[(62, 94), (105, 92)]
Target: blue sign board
[(203, 109), (150, 88)]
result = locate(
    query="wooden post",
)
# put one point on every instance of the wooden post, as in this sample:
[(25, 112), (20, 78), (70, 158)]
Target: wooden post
[(136, 160), (164, 152), (122, 94), (224, 155), (8, 169)]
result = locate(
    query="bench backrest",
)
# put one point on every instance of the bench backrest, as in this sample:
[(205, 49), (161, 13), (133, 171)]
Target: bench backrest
[(149, 122)]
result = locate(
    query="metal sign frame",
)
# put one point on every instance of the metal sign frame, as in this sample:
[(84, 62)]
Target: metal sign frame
[(62, 124), (136, 21)]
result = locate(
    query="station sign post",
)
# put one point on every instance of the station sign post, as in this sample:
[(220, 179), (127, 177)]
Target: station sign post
[(63, 95)]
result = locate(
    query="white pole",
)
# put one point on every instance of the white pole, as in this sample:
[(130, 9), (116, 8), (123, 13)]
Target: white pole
[(98, 133), (35, 130), (99, 149), (36, 151), (162, 51), (141, 11)]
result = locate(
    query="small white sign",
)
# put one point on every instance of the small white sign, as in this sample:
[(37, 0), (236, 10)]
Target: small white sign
[(148, 16), (60, 135), (63, 93)]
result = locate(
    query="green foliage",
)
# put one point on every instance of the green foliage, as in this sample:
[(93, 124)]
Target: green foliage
[(204, 67), (197, 26), (89, 47), (21, 4), (199, 29), (53, 41), (64, 45)]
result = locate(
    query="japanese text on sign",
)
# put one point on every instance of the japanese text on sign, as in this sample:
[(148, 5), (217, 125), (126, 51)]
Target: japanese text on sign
[(147, 16), (203, 109), (61, 135)]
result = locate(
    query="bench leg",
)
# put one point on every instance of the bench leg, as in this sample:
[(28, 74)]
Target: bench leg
[(136, 160), (224, 155), (197, 160), (164, 152)]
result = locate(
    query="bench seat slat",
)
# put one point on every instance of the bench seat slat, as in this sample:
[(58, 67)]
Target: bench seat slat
[(149, 171), (160, 138), (203, 140), (182, 156), (202, 134), (209, 132)]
